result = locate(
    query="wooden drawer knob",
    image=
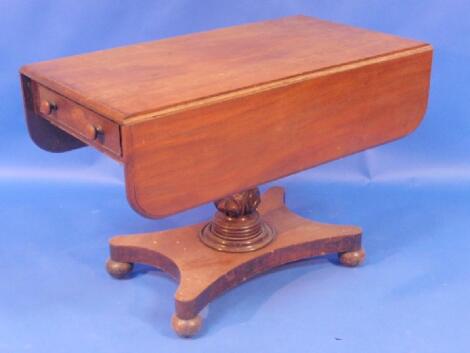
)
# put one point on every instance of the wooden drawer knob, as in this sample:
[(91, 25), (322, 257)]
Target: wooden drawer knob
[(92, 131), (47, 107)]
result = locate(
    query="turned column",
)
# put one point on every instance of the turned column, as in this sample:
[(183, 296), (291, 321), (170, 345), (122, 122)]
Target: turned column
[(237, 226)]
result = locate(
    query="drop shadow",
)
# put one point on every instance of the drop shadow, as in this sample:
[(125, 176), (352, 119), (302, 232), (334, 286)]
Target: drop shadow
[(141, 269)]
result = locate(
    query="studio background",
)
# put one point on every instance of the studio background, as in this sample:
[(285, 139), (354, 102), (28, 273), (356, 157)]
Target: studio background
[(411, 197)]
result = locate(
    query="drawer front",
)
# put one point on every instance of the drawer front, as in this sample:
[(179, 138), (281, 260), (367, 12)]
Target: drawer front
[(80, 122)]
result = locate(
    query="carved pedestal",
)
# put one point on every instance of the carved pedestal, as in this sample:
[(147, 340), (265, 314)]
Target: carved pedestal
[(239, 243)]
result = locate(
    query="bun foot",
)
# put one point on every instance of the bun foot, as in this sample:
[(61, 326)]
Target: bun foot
[(352, 258), (186, 328), (118, 269)]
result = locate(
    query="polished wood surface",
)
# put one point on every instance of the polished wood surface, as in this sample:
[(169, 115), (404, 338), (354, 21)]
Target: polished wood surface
[(156, 78), (204, 273), (199, 117), (203, 154), (79, 121), (209, 116), (42, 131), (237, 225)]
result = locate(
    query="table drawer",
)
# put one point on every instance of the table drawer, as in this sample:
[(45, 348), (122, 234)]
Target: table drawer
[(79, 121)]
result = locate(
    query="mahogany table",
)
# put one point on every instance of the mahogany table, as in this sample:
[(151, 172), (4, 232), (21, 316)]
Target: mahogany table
[(209, 116)]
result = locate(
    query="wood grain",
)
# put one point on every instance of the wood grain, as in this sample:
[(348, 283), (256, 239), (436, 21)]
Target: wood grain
[(138, 81), (80, 121), (42, 132), (199, 117), (204, 273), (199, 155)]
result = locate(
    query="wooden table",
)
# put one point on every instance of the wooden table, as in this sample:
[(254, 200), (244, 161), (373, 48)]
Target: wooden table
[(209, 116)]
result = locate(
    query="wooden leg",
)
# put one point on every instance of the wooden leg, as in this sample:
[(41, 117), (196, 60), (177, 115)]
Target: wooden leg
[(204, 272), (118, 269), (186, 327), (352, 258)]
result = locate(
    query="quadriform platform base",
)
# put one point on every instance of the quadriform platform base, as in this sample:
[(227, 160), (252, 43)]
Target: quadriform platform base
[(204, 273)]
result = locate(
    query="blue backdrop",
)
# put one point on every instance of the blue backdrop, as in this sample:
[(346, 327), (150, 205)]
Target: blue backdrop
[(412, 198)]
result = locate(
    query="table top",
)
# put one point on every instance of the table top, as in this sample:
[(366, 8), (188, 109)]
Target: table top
[(145, 80), (198, 117)]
